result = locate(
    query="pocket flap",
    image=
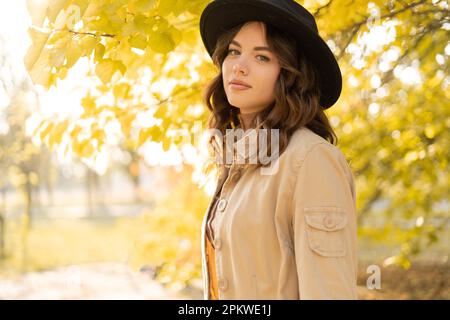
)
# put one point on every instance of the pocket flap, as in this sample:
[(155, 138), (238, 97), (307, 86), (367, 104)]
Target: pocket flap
[(324, 228), (326, 218)]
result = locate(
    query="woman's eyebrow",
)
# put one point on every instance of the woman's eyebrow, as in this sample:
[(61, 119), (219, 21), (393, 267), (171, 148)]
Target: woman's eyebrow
[(255, 48)]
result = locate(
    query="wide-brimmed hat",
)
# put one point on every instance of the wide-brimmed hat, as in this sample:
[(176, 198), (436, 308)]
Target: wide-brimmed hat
[(287, 15)]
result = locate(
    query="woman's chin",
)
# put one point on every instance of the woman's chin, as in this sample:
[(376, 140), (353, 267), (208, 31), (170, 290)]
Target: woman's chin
[(242, 104)]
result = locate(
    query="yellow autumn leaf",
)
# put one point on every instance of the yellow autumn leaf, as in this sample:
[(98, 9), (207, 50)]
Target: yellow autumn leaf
[(166, 143), (138, 41), (38, 11), (54, 8), (57, 133), (161, 42), (88, 150), (122, 90), (166, 7), (46, 131), (107, 68), (99, 52), (143, 5), (98, 135), (88, 44), (38, 39), (144, 134), (74, 133), (126, 120)]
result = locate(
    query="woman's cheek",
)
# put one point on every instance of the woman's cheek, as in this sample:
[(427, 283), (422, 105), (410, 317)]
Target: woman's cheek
[(267, 90)]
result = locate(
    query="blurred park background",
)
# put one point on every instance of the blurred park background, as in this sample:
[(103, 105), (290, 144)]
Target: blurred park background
[(102, 190)]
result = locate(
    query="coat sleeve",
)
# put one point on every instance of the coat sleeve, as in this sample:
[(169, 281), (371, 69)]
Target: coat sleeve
[(324, 225)]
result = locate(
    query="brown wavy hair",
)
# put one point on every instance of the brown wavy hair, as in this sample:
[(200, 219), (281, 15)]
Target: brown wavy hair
[(297, 92)]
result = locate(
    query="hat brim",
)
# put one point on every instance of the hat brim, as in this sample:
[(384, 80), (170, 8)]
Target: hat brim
[(219, 17)]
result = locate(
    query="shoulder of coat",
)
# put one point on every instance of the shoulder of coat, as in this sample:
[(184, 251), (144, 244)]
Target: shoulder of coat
[(303, 141)]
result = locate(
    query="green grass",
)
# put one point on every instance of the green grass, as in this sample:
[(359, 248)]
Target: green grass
[(54, 243)]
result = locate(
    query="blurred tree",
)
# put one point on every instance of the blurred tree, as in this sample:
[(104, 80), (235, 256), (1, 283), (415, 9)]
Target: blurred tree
[(396, 103), (148, 56), (18, 155)]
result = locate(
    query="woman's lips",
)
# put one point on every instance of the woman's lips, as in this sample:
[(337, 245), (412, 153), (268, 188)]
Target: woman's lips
[(238, 86)]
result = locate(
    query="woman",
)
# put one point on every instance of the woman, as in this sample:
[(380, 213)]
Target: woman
[(288, 232)]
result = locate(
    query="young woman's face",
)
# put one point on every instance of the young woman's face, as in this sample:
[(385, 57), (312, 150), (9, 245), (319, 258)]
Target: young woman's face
[(250, 60)]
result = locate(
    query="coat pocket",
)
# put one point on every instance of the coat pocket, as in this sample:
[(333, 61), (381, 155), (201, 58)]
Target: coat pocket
[(324, 229)]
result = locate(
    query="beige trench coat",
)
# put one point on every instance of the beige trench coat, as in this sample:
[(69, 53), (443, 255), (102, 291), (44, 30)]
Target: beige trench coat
[(287, 235)]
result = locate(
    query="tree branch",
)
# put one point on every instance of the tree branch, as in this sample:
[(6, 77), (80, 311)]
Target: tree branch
[(317, 13), (108, 35)]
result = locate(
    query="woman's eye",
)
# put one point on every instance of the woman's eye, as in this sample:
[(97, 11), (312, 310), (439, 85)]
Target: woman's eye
[(231, 50), (262, 58)]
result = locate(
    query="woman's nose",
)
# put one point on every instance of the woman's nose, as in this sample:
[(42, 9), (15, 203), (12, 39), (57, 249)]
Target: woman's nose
[(239, 68)]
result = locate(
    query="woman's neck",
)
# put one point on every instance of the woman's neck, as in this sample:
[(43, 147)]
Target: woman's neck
[(246, 119)]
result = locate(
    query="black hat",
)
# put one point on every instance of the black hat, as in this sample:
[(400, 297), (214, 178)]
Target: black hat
[(287, 15)]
